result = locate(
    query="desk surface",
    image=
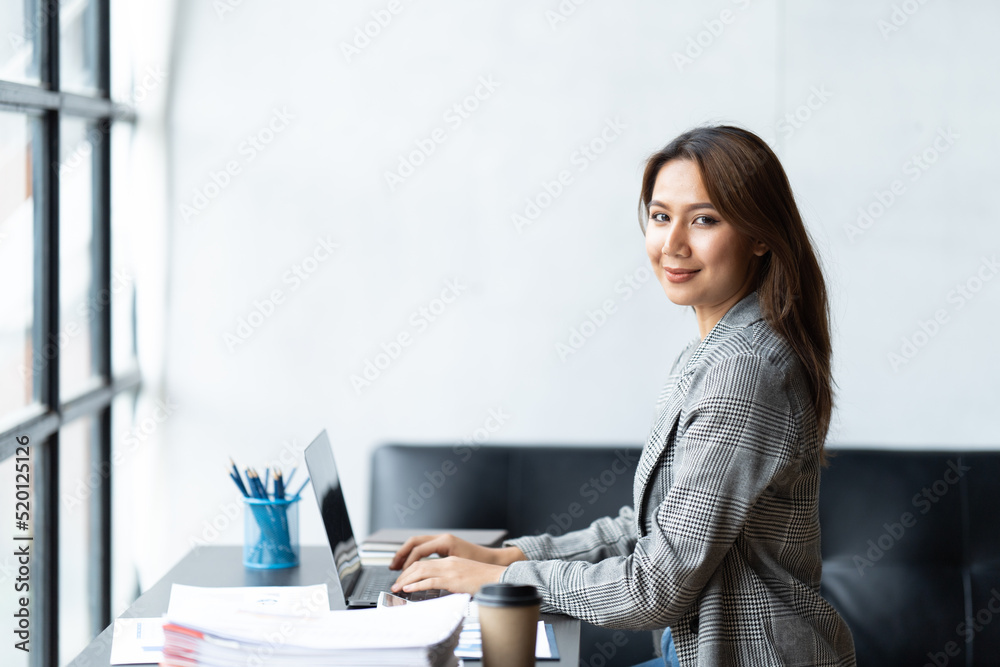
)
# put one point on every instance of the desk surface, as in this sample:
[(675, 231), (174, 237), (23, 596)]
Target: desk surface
[(222, 566)]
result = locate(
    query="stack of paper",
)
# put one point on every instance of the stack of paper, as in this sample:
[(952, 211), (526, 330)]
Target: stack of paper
[(204, 627)]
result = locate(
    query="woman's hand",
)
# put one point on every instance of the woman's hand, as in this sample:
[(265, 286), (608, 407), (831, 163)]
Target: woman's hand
[(446, 545), (458, 575)]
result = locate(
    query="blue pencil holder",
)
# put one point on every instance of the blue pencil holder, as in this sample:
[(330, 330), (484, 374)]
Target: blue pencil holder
[(270, 533)]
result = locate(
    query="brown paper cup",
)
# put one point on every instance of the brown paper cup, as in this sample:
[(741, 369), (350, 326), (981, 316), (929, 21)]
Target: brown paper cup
[(508, 617)]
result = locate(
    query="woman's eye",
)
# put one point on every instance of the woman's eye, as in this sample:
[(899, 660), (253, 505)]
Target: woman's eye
[(705, 220), (658, 217)]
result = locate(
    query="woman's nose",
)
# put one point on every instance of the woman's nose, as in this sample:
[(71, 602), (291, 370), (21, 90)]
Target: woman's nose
[(675, 241)]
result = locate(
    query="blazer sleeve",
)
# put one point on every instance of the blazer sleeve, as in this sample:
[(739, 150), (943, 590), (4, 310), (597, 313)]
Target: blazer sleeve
[(604, 538), (739, 434)]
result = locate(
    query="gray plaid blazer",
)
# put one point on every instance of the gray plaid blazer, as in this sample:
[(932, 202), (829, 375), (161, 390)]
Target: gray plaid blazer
[(723, 546)]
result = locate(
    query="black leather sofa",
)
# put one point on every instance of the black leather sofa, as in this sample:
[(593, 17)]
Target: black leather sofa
[(911, 539), (911, 554)]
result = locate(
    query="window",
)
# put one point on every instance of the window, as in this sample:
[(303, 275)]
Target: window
[(67, 326)]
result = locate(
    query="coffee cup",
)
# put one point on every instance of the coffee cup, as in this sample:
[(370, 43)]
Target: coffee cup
[(508, 619)]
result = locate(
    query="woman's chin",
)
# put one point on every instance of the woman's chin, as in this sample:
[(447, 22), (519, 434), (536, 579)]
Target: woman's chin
[(680, 297)]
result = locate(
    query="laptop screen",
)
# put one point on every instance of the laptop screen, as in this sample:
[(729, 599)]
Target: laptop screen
[(333, 508)]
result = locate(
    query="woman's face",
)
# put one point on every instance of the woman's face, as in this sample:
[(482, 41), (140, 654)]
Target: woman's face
[(700, 259)]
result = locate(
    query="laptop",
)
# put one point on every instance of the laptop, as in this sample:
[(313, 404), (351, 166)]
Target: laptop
[(360, 584)]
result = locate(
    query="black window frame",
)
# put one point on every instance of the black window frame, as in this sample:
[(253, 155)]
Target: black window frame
[(42, 421)]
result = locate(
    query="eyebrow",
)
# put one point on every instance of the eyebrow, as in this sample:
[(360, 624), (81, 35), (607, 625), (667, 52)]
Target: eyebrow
[(691, 207)]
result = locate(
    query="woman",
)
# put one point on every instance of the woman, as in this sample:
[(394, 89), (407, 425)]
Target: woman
[(723, 545)]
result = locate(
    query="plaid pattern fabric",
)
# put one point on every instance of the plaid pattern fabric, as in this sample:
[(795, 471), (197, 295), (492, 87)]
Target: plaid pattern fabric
[(723, 544)]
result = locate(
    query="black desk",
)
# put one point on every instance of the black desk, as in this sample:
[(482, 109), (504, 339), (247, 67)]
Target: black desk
[(223, 566)]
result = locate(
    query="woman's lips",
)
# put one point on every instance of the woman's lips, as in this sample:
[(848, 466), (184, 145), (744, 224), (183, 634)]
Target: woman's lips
[(680, 275)]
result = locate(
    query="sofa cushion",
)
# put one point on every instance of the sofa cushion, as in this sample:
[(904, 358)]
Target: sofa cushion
[(905, 552)]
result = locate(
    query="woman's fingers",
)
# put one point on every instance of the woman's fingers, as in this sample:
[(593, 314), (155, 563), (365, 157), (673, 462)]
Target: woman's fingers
[(402, 553), (425, 575), (443, 545), (401, 556), (439, 545), (457, 575), (422, 582), (410, 575)]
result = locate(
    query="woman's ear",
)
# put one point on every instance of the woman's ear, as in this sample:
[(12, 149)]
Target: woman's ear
[(760, 248)]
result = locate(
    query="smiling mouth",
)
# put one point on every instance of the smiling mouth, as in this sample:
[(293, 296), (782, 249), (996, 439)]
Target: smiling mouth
[(680, 275)]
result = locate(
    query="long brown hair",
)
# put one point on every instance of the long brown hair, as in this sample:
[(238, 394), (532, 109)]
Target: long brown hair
[(749, 188)]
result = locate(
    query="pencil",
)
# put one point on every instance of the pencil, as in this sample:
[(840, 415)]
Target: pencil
[(239, 485), (236, 477), (296, 496), (279, 486), (253, 482)]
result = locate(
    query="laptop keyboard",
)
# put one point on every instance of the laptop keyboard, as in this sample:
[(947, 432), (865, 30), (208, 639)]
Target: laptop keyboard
[(374, 580)]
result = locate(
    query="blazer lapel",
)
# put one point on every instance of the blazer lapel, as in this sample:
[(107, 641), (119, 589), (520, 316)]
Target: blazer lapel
[(664, 428), (660, 435)]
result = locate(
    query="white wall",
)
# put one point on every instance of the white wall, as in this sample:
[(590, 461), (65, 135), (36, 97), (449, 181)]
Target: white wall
[(883, 99)]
